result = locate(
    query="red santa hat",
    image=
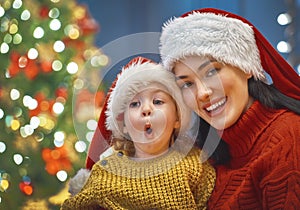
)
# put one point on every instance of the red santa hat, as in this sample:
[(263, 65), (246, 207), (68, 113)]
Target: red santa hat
[(228, 38), (136, 75)]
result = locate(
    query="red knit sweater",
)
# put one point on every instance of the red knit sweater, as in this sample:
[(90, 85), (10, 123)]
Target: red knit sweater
[(264, 171)]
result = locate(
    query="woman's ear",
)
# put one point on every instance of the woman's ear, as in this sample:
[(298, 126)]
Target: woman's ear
[(125, 129)]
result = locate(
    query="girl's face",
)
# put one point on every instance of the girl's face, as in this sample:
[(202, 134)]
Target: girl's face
[(216, 92), (150, 120)]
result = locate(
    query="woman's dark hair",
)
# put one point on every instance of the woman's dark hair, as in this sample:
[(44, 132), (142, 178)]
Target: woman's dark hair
[(271, 97), (218, 149)]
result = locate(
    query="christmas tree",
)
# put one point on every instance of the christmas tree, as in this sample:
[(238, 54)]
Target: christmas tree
[(47, 84)]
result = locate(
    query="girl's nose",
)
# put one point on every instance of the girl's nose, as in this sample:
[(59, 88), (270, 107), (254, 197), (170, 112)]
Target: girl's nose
[(203, 91), (146, 110)]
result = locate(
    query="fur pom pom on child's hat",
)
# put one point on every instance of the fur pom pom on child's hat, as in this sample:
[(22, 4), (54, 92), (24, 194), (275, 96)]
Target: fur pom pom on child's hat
[(230, 39), (133, 79)]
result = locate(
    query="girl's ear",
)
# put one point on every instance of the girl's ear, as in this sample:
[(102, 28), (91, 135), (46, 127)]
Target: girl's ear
[(177, 124)]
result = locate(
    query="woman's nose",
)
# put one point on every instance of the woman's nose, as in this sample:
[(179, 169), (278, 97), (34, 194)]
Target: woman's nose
[(203, 91)]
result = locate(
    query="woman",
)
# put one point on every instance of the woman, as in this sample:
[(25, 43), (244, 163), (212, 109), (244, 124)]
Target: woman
[(220, 61)]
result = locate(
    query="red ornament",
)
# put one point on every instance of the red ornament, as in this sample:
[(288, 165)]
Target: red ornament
[(46, 66), (62, 92), (26, 188), (88, 25), (44, 11), (56, 159)]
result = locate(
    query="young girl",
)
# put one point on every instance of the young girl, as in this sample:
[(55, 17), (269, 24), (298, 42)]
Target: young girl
[(220, 61), (153, 164)]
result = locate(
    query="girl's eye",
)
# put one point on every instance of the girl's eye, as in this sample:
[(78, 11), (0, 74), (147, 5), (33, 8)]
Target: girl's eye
[(186, 85), (134, 104), (158, 102)]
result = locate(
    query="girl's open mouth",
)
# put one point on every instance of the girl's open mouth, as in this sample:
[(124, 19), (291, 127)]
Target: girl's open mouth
[(148, 128)]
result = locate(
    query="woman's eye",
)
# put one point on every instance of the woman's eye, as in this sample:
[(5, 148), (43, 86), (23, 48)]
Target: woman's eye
[(212, 72), (134, 104), (158, 102)]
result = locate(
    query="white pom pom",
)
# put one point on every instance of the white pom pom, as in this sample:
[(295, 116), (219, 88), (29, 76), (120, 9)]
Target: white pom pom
[(78, 181)]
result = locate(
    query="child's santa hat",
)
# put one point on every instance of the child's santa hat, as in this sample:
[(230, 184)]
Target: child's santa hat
[(134, 79), (137, 74), (230, 39)]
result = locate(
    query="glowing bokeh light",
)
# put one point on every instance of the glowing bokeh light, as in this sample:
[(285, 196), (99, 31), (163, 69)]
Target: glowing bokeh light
[(25, 15), (32, 53), (2, 147), (58, 46), (18, 159), (58, 108), (62, 175), (72, 68), (38, 32), (55, 24), (80, 146), (14, 94)]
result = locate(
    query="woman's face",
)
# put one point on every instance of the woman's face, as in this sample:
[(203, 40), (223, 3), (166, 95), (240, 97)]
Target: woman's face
[(216, 92)]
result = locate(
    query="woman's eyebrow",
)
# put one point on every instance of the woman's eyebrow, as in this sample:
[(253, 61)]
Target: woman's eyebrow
[(202, 66)]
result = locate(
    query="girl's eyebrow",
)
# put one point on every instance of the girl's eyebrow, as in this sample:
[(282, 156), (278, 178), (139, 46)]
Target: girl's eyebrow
[(202, 66)]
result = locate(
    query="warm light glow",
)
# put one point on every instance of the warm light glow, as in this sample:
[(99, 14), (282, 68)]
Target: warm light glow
[(13, 28), (4, 184), (15, 125)]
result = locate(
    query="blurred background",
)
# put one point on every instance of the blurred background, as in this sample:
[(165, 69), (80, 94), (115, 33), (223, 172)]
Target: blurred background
[(57, 59)]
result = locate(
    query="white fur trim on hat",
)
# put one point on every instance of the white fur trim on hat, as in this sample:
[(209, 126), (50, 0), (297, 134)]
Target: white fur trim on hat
[(226, 39), (130, 81)]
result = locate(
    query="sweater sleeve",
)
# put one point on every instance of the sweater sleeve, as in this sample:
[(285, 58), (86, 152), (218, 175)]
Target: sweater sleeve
[(88, 198), (204, 183), (281, 186)]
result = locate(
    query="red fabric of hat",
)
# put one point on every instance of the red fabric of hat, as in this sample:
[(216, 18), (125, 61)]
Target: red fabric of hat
[(284, 77), (102, 136)]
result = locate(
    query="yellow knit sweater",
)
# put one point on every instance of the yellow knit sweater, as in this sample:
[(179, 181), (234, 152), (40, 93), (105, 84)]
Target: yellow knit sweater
[(171, 181)]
